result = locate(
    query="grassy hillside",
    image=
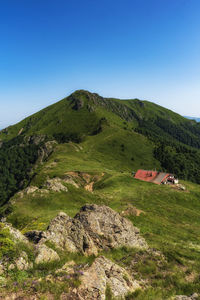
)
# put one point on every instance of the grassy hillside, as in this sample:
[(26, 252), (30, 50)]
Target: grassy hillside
[(174, 140), (82, 112), (170, 222), (99, 143)]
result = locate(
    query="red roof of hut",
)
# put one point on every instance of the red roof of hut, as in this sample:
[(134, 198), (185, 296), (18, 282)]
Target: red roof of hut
[(151, 176)]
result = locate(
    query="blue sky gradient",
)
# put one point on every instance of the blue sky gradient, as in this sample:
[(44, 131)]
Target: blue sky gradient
[(147, 49)]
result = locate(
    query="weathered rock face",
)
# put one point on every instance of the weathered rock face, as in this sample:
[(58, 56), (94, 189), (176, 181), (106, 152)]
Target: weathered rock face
[(55, 185), (45, 150), (69, 234), (45, 254), (22, 262), (108, 229), (16, 234), (34, 235), (100, 275), (30, 190), (93, 229), (76, 103)]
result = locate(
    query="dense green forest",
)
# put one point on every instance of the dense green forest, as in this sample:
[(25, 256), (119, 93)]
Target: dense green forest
[(16, 161), (177, 149)]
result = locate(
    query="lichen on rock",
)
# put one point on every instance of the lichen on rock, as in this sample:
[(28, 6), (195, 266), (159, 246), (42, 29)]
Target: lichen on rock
[(101, 274), (108, 229), (45, 254), (93, 229)]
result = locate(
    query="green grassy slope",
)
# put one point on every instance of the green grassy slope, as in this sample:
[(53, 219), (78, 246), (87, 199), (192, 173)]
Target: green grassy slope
[(109, 148), (170, 222), (81, 113)]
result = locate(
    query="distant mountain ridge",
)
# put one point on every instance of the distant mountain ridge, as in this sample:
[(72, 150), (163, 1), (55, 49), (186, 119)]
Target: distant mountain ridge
[(193, 118)]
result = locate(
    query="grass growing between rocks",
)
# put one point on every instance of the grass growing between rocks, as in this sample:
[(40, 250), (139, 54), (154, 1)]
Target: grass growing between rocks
[(44, 279), (170, 222)]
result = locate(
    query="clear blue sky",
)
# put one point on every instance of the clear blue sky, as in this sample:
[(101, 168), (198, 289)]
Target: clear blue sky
[(149, 49)]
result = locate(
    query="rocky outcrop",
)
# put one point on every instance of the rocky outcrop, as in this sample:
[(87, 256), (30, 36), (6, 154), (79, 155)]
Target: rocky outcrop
[(132, 211), (16, 235), (93, 229), (108, 229), (104, 274), (69, 234), (56, 185), (21, 263), (45, 254), (45, 151), (83, 179), (34, 236), (30, 190)]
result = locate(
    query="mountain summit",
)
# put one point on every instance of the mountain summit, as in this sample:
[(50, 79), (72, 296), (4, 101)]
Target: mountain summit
[(76, 224)]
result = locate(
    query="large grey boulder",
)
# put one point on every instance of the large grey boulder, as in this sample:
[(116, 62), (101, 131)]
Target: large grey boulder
[(93, 229), (108, 229), (69, 234)]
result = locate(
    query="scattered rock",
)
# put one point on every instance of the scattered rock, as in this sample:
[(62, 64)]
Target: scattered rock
[(16, 234), (2, 281), (181, 187), (45, 254), (30, 190), (69, 180), (56, 185), (100, 275), (183, 297), (132, 211), (178, 186), (67, 268), (11, 267), (22, 262)]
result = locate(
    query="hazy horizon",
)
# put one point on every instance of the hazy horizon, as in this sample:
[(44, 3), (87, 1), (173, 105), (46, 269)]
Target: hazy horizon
[(146, 49)]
